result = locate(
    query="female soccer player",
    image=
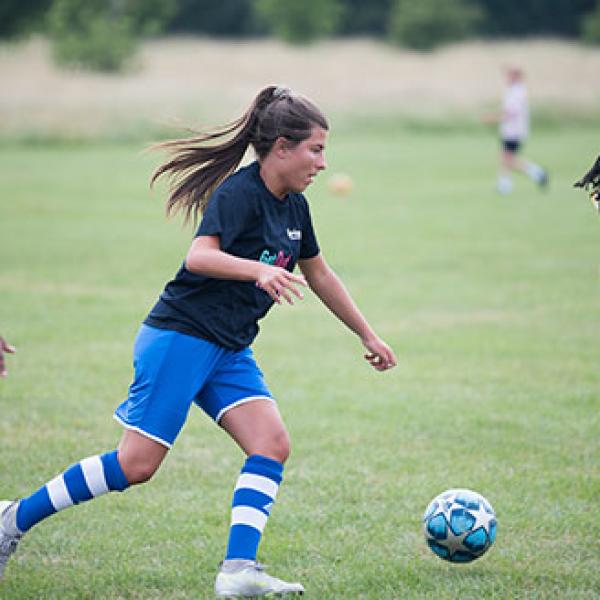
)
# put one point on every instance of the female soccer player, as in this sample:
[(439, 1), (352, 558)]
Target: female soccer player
[(194, 346)]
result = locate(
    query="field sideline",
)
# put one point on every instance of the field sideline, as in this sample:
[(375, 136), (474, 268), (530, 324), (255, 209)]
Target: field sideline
[(491, 304)]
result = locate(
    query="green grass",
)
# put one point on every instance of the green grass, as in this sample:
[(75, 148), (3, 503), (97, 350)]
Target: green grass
[(491, 303)]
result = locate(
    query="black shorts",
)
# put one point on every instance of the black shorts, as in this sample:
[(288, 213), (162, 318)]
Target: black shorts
[(511, 146)]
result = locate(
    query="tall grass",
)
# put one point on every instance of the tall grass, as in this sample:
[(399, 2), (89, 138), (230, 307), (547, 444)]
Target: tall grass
[(199, 82)]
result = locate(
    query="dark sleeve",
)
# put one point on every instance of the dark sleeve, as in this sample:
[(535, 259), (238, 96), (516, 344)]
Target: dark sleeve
[(310, 246), (227, 215)]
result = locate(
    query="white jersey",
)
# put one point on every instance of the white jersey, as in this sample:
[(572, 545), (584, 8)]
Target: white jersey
[(514, 124)]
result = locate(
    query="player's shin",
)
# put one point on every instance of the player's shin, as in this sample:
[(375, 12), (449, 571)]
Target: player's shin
[(85, 480), (253, 499)]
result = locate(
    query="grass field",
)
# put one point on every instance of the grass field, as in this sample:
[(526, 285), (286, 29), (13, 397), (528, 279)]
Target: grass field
[(491, 303)]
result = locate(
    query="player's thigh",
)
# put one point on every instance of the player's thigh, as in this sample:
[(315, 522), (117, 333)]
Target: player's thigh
[(258, 428), (238, 398), (510, 149)]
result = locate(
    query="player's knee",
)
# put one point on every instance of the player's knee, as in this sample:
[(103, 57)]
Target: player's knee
[(276, 446), (280, 446), (138, 471)]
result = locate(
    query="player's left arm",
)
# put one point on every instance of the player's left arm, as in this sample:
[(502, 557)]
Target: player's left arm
[(332, 292)]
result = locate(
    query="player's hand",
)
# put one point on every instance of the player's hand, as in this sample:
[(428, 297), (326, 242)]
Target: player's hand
[(4, 347), (380, 355), (280, 283)]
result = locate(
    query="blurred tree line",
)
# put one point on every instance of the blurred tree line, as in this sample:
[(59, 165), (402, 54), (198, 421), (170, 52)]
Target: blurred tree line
[(102, 34)]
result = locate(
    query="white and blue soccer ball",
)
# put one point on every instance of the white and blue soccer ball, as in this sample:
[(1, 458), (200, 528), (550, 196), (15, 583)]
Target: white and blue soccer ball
[(459, 525)]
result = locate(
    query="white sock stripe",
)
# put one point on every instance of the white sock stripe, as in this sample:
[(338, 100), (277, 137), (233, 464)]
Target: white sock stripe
[(259, 483), (93, 472), (59, 495), (246, 515)]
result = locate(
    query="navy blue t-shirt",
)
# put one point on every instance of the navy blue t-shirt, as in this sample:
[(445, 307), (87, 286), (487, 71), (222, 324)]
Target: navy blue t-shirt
[(251, 223)]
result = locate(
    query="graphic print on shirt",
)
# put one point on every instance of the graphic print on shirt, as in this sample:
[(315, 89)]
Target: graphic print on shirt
[(277, 260)]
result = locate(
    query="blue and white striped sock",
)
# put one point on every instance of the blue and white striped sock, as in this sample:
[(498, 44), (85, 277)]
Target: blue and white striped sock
[(90, 478), (253, 499)]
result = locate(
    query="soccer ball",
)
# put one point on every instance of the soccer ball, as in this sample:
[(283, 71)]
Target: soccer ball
[(340, 184), (459, 525)]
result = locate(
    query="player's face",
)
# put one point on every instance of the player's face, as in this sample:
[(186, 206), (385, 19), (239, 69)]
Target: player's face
[(304, 160)]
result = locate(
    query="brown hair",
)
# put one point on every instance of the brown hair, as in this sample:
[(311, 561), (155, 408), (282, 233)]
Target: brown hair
[(194, 168)]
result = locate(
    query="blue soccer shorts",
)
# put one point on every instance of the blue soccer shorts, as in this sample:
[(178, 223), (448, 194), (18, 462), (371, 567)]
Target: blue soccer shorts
[(172, 370)]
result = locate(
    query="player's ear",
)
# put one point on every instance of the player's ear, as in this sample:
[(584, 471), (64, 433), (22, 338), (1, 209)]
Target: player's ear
[(280, 147)]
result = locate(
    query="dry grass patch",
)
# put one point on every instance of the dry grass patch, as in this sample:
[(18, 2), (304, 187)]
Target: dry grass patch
[(194, 81)]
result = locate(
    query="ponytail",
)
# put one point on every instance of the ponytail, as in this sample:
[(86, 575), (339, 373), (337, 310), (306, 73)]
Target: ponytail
[(195, 169)]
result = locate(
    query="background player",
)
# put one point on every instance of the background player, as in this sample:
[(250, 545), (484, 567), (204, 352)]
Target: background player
[(514, 129)]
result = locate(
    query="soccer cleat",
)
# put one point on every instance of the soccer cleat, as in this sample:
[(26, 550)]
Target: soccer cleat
[(9, 534), (543, 180), (247, 579)]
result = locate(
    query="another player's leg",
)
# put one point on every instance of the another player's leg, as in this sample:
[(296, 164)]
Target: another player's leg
[(535, 172), (513, 162), (136, 460), (504, 183), (258, 429)]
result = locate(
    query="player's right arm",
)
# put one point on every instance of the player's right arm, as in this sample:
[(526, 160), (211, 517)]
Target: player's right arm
[(334, 295), (205, 257)]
